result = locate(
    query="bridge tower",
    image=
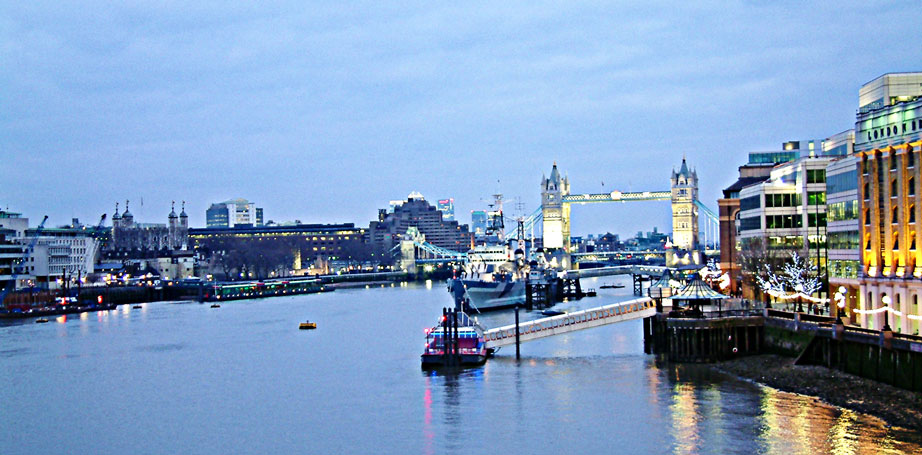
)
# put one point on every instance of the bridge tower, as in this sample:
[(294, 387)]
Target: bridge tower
[(684, 212), (556, 225)]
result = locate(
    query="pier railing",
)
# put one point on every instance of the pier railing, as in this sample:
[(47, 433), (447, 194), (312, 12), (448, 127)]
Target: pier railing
[(569, 322)]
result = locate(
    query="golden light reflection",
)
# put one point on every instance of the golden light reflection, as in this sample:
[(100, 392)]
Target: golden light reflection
[(843, 441), (685, 418)]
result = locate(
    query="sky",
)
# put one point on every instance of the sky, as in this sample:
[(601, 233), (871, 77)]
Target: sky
[(324, 112)]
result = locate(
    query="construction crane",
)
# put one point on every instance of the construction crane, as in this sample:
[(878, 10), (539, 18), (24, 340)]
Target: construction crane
[(17, 269)]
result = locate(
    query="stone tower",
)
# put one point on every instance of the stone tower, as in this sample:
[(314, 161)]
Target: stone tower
[(684, 212), (183, 234), (556, 225), (172, 227)]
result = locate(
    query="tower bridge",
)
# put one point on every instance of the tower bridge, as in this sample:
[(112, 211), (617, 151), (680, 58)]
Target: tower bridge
[(556, 200), (554, 218)]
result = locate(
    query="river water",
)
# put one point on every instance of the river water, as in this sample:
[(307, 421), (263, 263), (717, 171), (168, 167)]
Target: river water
[(185, 378)]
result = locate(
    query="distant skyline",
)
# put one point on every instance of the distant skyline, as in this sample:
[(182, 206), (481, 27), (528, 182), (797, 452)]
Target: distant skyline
[(325, 112)]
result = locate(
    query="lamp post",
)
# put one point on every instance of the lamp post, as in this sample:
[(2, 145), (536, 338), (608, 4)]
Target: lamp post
[(886, 301), (840, 303)]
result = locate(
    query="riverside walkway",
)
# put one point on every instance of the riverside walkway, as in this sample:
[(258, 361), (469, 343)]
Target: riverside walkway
[(571, 322)]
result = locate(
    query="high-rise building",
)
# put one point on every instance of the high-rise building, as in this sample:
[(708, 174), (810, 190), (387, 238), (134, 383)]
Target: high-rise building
[(447, 207), (786, 212), (888, 138), (758, 170), (478, 222), (233, 213), (842, 226), (388, 230)]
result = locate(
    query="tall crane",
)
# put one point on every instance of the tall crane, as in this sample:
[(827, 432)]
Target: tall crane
[(17, 269)]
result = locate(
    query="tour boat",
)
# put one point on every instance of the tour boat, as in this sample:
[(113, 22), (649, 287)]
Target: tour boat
[(307, 325), (472, 350)]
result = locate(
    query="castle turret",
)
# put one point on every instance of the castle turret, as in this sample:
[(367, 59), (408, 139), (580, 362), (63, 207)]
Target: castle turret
[(183, 233), (116, 224), (127, 217), (172, 227)]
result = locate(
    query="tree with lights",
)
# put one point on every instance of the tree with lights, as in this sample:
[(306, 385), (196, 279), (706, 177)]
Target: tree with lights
[(797, 279)]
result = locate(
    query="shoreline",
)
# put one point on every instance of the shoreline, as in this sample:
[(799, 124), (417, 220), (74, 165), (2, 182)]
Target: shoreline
[(897, 407)]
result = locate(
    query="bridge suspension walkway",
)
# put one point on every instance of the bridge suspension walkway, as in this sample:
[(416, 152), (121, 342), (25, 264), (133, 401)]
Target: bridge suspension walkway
[(571, 322)]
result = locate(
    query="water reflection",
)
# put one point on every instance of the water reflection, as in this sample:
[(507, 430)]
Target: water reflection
[(711, 415)]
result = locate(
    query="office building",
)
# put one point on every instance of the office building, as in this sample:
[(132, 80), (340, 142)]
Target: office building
[(888, 136), (234, 213), (786, 212), (390, 227), (292, 247), (478, 222), (447, 207), (842, 227)]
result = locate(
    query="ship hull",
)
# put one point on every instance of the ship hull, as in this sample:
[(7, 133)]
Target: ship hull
[(491, 295)]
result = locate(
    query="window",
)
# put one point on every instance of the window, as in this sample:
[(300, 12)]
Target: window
[(816, 198), (893, 189), (816, 220), (911, 185), (867, 216), (867, 191), (842, 182), (782, 200), (843, 240), (816, 176), (841, 211), (893, 160), (749, 203), (785, 221), (912, 213), (894, 218), (751, 223), (896, 242)]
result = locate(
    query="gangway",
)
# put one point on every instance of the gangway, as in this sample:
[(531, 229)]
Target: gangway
[(570, 322)]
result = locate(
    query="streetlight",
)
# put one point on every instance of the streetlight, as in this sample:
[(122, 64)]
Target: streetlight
[(886, 300), (840, 303)]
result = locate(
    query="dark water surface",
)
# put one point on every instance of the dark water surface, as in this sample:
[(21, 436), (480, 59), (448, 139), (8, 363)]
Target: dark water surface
[(185, 378)]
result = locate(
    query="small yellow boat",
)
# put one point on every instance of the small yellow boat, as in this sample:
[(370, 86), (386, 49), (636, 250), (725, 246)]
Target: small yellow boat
[(307, 325)]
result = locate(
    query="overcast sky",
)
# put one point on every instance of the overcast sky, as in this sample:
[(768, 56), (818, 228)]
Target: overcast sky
[(325, 112)]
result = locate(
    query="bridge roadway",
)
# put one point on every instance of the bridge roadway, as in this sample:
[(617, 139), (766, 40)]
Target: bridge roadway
[(648, 270), (571, 322)]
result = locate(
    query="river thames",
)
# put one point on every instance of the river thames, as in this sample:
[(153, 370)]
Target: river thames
[(185, 378)]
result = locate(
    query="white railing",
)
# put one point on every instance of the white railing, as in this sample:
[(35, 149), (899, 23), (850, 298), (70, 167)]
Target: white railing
[(565, 323)]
